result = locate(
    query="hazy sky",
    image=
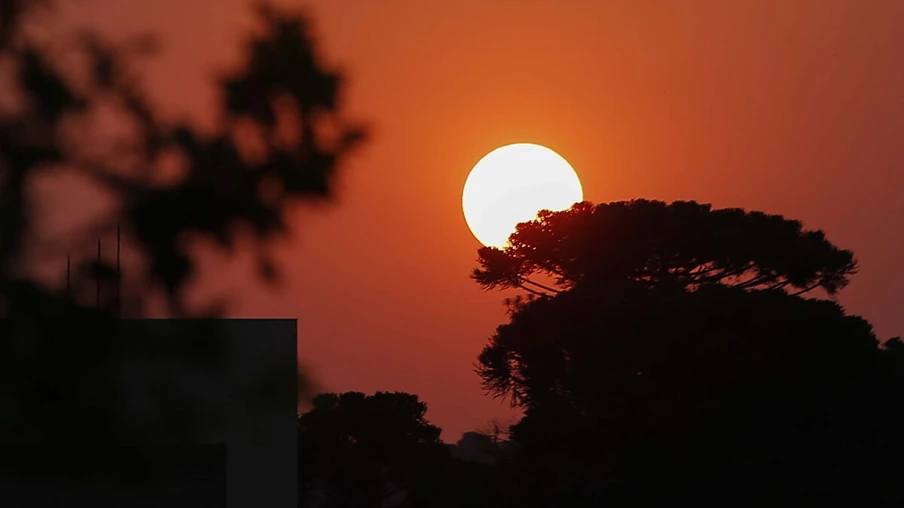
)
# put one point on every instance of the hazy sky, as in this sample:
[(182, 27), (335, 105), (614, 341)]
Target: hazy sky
[(788, 106)]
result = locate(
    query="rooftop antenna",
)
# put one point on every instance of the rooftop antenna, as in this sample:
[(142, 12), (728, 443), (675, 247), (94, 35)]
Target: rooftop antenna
[(118, 272), (97, 281)]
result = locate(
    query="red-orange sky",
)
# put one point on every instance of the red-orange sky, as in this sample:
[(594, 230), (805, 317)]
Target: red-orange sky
[(792, 107)]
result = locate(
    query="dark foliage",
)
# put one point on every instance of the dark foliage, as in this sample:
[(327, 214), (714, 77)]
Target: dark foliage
[(357, 450), (672, 363), (683, 244), (278, 139)]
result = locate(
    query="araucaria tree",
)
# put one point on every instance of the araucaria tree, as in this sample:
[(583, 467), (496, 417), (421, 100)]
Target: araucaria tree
[(675, 351)]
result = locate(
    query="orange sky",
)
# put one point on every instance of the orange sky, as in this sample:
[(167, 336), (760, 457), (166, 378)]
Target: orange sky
[(792, 107)]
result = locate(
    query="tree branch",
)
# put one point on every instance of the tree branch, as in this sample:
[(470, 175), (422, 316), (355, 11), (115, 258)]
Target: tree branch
[(807, 289), (541, 286), (533, 291), (756, 281)]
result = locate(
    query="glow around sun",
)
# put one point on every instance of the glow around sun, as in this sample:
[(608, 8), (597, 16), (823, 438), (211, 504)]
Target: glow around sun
[(511, 184)]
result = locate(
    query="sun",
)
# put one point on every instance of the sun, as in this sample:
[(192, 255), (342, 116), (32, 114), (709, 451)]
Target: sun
[(511, 184)]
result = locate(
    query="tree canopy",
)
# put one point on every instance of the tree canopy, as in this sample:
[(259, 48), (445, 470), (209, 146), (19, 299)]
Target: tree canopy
[(675, 354), (681, 243), (279, 135), (364, 450)]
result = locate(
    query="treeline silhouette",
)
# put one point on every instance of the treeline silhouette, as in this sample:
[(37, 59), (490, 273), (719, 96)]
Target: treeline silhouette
[(666, 353)]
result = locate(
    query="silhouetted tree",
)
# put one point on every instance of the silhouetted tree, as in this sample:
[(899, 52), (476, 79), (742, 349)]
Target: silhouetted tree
[(497, 430), (489, 443), (278, 138), (673, 358), (271, 146), (683, 244), (358, 450)]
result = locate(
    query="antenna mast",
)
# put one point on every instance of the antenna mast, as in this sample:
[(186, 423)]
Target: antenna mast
[(97, 280), (118, 272)]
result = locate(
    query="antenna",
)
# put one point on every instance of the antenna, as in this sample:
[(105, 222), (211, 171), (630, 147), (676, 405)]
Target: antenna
[(97, 281), (118, 272)]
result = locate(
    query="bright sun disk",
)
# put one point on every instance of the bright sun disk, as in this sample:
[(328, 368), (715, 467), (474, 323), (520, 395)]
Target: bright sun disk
[(511, 184)]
